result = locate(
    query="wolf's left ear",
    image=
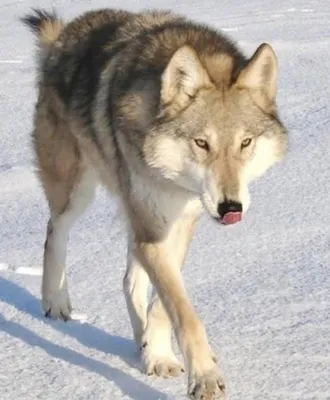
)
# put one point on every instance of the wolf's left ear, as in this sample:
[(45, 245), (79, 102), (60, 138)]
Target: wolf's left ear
[(183, 76), (261, 72)]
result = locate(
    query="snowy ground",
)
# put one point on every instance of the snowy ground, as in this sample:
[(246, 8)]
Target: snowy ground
[(261, 287)]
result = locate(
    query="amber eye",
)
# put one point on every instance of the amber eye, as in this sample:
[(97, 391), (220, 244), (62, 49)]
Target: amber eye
[(202, 144), (246, 143)]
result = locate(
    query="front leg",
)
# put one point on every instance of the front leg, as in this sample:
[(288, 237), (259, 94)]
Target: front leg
[(152, 333), (157, 355), (135, 285), (156, 352), (204, 378)]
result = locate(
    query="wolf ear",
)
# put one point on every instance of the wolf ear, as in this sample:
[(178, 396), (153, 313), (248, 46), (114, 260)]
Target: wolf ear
[(183, 76), (261, 72)]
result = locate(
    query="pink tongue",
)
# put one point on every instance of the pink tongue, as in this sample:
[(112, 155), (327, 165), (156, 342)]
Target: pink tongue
[(231, 218)]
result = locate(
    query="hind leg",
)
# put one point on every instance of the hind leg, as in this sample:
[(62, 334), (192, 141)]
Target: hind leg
[(55, 295), (68, 183)]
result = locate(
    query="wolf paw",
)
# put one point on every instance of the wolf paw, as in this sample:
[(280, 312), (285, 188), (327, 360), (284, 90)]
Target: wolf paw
[(165, 368), (164, 365), (209, 386), (58, 305)]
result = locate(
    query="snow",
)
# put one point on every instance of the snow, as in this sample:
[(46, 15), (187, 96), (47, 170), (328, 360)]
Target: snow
[(261, 287)]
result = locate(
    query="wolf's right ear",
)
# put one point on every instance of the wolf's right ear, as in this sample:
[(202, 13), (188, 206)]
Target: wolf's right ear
[(183, 76), (260, 73)]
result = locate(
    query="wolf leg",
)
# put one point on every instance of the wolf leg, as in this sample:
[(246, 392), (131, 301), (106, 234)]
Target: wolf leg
[(156, 347), (205, 381), (68, 182), (157, 355), (55, 295), (135, 285)]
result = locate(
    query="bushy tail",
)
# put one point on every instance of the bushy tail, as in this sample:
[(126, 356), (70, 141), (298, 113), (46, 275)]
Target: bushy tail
[(45, 25)]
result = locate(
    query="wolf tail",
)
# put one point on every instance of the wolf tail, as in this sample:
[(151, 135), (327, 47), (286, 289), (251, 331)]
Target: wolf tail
[(47, 27)]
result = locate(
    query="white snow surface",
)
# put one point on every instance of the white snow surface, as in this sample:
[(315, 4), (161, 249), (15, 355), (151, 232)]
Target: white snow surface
[(261, 287)]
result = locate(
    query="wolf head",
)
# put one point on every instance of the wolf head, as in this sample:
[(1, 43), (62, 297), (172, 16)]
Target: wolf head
[(213, 139)]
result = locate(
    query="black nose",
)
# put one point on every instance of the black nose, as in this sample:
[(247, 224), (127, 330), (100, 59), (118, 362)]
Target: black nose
[(229, 206)]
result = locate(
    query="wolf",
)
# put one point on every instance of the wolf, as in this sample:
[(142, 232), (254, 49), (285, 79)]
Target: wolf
[(173, 119)]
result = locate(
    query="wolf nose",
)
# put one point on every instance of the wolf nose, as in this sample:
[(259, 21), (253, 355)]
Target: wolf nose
[(229, 206), (230, 212)]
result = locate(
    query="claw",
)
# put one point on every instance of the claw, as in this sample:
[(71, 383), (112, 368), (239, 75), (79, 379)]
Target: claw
[(64, 317)]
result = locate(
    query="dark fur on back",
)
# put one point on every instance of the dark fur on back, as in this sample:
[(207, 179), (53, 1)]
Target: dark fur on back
[(144, 43)]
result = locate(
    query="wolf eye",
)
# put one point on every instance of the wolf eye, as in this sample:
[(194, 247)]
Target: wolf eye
[(202, 144), (246, 143)]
